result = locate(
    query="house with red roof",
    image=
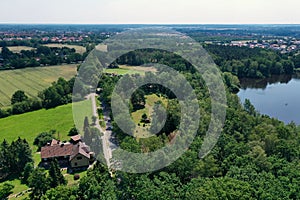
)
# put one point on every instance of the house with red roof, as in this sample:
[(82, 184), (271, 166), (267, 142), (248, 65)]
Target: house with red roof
[(73, 154)]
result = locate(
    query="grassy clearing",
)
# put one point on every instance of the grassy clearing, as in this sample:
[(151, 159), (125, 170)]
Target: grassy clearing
[(79, 49), (123, 69), (141, 131), (18, 186), (70, 177), (31, 80)]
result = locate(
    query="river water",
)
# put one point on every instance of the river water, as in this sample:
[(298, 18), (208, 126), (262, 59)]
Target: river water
[(278, 96)]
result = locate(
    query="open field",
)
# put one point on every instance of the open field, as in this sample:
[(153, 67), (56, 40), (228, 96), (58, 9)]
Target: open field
[(29, 125), (124, 69), (141, 131), (18, 49), (31, 80), (79, 49)]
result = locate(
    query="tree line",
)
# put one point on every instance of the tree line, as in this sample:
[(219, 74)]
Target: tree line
[(243, 62), (42, 56)]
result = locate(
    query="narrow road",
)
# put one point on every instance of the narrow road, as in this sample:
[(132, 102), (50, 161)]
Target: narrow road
[(107, 134)]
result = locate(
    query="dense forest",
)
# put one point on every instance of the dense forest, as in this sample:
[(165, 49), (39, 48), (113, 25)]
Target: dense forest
[(256, 157), (243, 62)]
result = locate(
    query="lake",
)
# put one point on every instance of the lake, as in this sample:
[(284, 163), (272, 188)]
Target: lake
[(278, 96)]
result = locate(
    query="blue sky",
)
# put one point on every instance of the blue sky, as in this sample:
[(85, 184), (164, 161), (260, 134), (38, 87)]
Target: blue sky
[(150, 11)]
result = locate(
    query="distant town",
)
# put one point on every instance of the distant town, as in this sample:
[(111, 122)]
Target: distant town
[(284, 45)]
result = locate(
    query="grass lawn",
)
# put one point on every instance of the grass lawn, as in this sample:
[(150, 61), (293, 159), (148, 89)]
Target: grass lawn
[(79, 49), (18, 186), (80, 111), (29, 125), (137, 115), (124, 69), (70, 177), (36, 158), (31, 80)]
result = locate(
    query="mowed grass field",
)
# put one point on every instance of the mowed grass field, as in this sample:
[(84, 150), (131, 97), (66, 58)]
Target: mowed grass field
[(29, 125), (124, 69), (79, 49), (31, 80)]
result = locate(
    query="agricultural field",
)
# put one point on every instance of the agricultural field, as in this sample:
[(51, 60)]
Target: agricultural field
[(124, 69), (31, 80), (18, 49), (79, 49), (141, 131)]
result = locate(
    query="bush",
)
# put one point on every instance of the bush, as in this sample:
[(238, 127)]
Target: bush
[(73, 131), (43, 138), (76, 177)]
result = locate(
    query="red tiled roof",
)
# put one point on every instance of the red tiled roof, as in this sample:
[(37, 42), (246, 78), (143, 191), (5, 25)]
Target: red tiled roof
[(82, 149), (56, 151)]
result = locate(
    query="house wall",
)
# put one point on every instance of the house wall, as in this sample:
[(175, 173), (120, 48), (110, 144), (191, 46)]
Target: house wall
[(77, 162)]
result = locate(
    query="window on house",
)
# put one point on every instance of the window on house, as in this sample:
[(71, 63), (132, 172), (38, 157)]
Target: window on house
[(79, 158)]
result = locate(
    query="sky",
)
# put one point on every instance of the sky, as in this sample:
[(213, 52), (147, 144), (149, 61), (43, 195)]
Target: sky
[(150, 11)]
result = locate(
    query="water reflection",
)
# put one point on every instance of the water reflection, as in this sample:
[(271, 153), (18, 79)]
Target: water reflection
[(263, 83), (277, 96)]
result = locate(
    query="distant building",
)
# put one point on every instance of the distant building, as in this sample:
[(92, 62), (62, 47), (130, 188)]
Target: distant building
[(73, 154)]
